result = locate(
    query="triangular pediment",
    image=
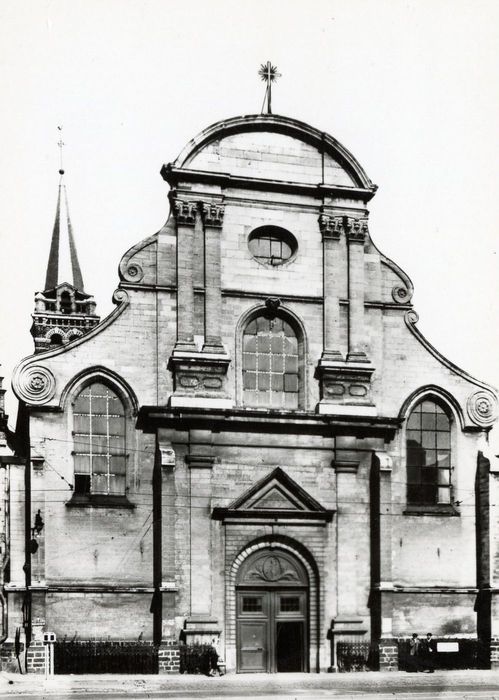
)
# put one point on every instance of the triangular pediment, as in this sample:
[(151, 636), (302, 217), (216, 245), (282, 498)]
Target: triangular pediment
[(276, 495)]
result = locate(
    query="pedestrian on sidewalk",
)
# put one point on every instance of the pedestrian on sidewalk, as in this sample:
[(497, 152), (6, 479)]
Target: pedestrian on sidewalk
[(213, 657), (428, 650), (413, 662)]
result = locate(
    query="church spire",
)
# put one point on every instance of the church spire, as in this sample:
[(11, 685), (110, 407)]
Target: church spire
[(63, 311), (62, 224)]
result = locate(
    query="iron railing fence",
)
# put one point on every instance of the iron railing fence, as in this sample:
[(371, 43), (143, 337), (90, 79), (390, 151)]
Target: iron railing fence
[(80, 657), (356, 656), (196, 658)]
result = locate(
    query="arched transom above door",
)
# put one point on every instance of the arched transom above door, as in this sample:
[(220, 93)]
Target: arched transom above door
[(272, 568)]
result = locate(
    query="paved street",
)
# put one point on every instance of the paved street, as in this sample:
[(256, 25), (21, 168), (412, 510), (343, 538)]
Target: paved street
[(455, 685)]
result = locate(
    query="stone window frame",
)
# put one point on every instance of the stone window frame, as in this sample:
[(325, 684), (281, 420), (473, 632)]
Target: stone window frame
[(293, 320), (108, 445), (451, 409), (130, 405), (283, 235)]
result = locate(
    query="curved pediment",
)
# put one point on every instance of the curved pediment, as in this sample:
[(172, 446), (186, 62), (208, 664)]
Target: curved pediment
[(275, 148)]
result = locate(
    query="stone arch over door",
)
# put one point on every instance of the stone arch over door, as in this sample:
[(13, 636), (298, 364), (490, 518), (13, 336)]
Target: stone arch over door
[(277, 564)]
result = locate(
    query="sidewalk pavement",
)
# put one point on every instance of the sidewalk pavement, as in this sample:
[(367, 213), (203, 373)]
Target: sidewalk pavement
[(258, 684)]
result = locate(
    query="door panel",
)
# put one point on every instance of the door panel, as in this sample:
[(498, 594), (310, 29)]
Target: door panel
[(272, 628), (289, 647), (253, 645)]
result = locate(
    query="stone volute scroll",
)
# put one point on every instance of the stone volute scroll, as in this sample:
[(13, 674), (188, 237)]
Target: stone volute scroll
[(34, 384), (483, 408)]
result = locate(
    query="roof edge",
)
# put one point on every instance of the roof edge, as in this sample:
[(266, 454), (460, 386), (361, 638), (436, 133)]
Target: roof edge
[(284, 125)]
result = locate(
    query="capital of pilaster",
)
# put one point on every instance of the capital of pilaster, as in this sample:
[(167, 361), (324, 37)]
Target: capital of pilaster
[(213, 214), (184, 212), (330, 226), (356, 229)]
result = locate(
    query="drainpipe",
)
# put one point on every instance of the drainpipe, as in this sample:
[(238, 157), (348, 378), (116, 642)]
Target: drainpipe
[(27, 535)]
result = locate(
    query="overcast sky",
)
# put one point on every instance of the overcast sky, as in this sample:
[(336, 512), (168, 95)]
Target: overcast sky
[(409, 87)]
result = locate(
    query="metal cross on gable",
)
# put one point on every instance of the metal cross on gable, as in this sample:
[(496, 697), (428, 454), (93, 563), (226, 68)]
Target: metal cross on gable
[(269, 74), (61, 145)]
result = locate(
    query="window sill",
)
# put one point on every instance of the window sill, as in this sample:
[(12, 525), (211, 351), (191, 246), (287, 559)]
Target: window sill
[(99, 501), (441, 509)]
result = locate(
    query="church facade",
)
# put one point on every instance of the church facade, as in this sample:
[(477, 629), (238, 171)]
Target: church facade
[(257, 446)]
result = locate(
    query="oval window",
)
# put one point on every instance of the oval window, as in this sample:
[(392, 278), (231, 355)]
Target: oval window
[(272, 245)]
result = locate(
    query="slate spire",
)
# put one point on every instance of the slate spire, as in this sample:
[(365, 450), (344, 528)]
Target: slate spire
[(63, 234)]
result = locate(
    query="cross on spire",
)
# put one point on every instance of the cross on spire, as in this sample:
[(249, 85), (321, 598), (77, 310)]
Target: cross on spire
[(61, 145), (269, 74)]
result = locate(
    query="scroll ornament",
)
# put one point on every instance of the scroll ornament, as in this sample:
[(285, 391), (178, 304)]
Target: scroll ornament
[(133, 273), (120, 296), (35, 384), (401, 294), (482, 407)]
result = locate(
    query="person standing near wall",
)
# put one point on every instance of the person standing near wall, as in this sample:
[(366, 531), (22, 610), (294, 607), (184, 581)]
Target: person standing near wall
[(427, 653), (414, 649)]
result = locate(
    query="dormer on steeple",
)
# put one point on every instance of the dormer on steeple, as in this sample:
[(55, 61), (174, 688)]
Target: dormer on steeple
[(63, 311)]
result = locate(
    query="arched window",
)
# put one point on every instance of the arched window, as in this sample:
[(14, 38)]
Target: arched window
[(270, 364), (56, 339), (428, 445), (66, 303), (99, 442)]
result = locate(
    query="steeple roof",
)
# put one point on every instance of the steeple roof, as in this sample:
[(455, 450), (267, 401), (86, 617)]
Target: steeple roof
[(63, 265)]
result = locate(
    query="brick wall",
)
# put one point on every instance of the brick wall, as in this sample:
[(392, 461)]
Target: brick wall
[(35, 657), (169, 657)]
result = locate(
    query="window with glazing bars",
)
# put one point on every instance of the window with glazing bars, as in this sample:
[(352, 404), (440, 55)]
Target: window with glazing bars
[(428, 443), (270, 364), (270, 248), (99, 442)]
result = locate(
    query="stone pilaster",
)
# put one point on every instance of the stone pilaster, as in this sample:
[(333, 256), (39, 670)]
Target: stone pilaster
[(186, 217), (345, 386), (331, 228), (165, 571), (213, 216), (200, 627), (346, 466), (381, 599), (356, 230)]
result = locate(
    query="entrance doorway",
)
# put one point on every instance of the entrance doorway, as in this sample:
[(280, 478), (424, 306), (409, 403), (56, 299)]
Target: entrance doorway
[(272, 614)]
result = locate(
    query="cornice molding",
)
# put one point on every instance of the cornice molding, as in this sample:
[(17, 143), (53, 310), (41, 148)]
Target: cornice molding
[(174, 176)]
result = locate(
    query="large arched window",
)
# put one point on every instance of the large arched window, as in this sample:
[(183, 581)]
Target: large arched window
[(428, 445), (99, 442), (270, 364)]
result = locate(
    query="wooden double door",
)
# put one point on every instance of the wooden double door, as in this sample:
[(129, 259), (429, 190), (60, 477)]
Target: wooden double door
[(272, 634)]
